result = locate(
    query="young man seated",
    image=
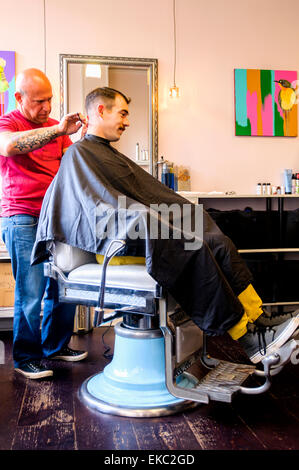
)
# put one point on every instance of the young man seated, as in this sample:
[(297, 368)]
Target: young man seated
[(211, 282)]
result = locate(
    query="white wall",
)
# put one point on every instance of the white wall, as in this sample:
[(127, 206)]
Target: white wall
[(213, 38)]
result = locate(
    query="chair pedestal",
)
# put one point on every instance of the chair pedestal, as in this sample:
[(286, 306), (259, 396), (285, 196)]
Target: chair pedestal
[(133, 384)]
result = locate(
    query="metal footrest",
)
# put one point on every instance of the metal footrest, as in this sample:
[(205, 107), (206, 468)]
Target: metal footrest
[(226, 378), (222, 382)]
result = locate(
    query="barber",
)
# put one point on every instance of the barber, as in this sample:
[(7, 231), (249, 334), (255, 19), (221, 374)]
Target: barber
[(31, 148)]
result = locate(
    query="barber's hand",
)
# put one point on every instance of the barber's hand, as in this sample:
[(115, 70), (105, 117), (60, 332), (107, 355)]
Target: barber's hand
[(71, 123), (84, 127)]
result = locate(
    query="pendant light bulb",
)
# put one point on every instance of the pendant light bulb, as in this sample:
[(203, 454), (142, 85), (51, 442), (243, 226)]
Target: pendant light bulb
[(174, 92)]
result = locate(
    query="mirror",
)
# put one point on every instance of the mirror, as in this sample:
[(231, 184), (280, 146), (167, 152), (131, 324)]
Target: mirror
[(137, 78)]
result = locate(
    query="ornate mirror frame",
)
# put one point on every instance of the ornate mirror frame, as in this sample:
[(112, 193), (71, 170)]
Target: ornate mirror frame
[(151, 65)]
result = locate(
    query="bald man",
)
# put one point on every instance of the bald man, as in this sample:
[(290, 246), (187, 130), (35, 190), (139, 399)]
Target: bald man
[(31, 148)]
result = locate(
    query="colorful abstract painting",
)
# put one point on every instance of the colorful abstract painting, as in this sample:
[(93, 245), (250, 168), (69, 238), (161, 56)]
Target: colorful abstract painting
[(7, 82), (265, 102)]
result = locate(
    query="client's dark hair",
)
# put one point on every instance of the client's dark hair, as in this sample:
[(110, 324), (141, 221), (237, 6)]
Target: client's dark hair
[(107, 94)]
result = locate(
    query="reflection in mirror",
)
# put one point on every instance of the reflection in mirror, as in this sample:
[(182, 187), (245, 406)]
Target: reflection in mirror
[(137, 79)]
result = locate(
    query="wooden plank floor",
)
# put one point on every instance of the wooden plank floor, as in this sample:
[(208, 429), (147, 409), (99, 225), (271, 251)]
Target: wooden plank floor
[(47, 414)]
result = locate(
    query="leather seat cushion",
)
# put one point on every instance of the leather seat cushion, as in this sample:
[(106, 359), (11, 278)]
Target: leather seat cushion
[(128, 276)]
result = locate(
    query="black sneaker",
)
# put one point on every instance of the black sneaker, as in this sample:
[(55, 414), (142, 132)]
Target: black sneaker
[(34, 370), (70, 355), (268, 319), (259, 342)]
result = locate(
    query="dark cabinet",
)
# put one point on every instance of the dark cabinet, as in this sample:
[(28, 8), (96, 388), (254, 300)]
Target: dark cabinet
[(267, 238)]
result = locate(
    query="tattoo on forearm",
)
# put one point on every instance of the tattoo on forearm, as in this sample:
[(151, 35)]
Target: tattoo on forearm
[(35, 140)]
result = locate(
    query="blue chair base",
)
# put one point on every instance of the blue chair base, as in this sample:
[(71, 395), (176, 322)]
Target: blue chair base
[(133, 384)]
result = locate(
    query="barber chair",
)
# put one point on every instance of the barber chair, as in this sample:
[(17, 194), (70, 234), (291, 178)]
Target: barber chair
[(156, 343)]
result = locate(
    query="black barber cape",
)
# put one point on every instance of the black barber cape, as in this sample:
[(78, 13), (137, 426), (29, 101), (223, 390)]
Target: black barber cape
[(98, 193)]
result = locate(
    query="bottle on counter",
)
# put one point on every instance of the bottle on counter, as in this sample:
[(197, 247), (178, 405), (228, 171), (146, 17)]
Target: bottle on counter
[(175, 171), (159, 166), (294, 184), (288, 181), (164, 176), (137, 156), (169, 177), (258, 188), (268, 190)]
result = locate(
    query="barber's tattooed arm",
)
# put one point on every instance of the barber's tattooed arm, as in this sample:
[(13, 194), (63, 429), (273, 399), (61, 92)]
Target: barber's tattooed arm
[(15, 143), (24, 142)]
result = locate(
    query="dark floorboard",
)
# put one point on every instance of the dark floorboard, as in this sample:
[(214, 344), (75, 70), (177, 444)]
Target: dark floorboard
[(48, 415)]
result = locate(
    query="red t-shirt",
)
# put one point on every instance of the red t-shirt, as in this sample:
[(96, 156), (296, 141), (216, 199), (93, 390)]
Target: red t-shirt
[(26, 177)]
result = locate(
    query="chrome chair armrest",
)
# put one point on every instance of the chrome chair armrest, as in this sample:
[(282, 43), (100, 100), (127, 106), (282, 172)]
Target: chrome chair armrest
[(114, 247)]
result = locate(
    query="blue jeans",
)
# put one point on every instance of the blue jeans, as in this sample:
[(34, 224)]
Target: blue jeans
[(30, 342)]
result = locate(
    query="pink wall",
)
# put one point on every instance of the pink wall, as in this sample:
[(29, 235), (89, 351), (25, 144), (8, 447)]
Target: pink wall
[(213, 38)]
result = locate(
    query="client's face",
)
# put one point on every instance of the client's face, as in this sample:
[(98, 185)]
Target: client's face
[(115, 119)]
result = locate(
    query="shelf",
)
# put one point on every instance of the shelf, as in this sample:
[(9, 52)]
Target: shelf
[(269, 250), (217, 195), (273, 304), (4, 258), (6, 318), (6, 312)]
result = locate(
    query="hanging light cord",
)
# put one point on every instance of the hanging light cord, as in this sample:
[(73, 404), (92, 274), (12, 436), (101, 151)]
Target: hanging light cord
[(45, 39), (174, 36)]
